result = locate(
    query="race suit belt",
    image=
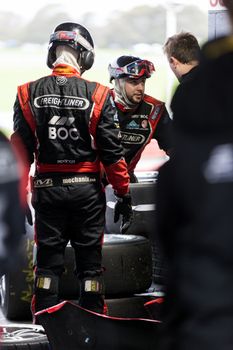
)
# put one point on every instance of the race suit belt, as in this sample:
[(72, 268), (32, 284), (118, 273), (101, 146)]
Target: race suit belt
[(63, 181)]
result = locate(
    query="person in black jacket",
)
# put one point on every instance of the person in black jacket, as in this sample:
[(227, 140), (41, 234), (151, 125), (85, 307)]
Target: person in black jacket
[(195, 191), (68, 125), (183, 54)]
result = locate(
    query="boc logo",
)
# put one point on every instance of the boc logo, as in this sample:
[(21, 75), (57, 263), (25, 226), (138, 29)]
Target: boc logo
[(62, 128)]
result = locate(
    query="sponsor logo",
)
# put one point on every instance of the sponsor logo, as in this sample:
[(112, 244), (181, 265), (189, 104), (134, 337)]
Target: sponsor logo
[(61, 80), (58, 120), (79, 179), (132, 125), (43, 183), (65, 102), (139, 116), (155, 113), (64, 130), (65, 161), (144, 124), (132, 138)]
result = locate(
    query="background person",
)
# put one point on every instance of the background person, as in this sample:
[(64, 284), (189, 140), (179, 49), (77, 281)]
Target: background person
[(141, 117), (12, 205), (67, 125), (183, 54), (195, 190)]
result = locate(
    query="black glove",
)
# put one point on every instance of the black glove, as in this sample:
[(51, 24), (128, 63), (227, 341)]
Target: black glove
[(123, 207), (28, 215)]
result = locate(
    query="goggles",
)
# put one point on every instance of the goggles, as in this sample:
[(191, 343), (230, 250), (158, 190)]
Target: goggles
[(73, 36), (135, 69)]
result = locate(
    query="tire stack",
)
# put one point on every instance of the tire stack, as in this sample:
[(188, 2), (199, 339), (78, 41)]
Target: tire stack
[(144, 222), (127, 261)]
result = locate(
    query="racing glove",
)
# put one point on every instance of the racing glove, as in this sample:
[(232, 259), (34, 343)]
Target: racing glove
[(123, 207)]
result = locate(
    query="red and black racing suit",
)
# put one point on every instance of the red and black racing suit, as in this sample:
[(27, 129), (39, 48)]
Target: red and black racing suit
[(68, 125), (138, 126)]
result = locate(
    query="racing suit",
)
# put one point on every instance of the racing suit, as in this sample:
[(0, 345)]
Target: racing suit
[(138, 126), (68, 126)]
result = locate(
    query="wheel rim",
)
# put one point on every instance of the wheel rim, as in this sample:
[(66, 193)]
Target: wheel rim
[(9, 334)]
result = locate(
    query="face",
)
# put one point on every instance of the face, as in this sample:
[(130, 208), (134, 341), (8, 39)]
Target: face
[(134, 89), (174, 65)]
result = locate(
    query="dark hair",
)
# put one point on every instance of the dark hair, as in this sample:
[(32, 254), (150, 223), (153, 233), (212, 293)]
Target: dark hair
[(183, 46)]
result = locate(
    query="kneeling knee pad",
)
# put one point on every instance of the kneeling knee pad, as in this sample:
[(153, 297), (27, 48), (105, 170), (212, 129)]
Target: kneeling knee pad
[(93, 285), (92, 294), (47, 284)]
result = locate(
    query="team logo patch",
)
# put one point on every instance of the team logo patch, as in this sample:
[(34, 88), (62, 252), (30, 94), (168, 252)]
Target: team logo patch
[(65, 102), (132, 125), (61, 80), (144, 124)]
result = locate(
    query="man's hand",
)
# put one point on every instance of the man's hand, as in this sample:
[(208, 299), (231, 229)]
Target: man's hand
[(123, 207)]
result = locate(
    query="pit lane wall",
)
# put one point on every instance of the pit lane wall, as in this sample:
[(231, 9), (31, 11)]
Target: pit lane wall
[(218, 23)]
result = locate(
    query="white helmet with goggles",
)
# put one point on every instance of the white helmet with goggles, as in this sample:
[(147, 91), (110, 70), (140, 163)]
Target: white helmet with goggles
[(131, 67)]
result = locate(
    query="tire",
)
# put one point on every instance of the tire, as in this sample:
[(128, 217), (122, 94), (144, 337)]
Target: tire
[(16, 287), (23, 338), (143, 202), (128, 263)]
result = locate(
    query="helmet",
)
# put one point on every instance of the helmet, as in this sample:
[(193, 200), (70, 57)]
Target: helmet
[(75, 36), (131, 67)]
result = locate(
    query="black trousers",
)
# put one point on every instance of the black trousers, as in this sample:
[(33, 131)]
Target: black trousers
[(74, 213)]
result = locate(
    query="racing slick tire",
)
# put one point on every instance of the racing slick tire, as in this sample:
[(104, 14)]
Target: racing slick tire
[(144, 221), (23, 338)]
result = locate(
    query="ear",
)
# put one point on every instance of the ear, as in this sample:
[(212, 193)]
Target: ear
[(173, 61)]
